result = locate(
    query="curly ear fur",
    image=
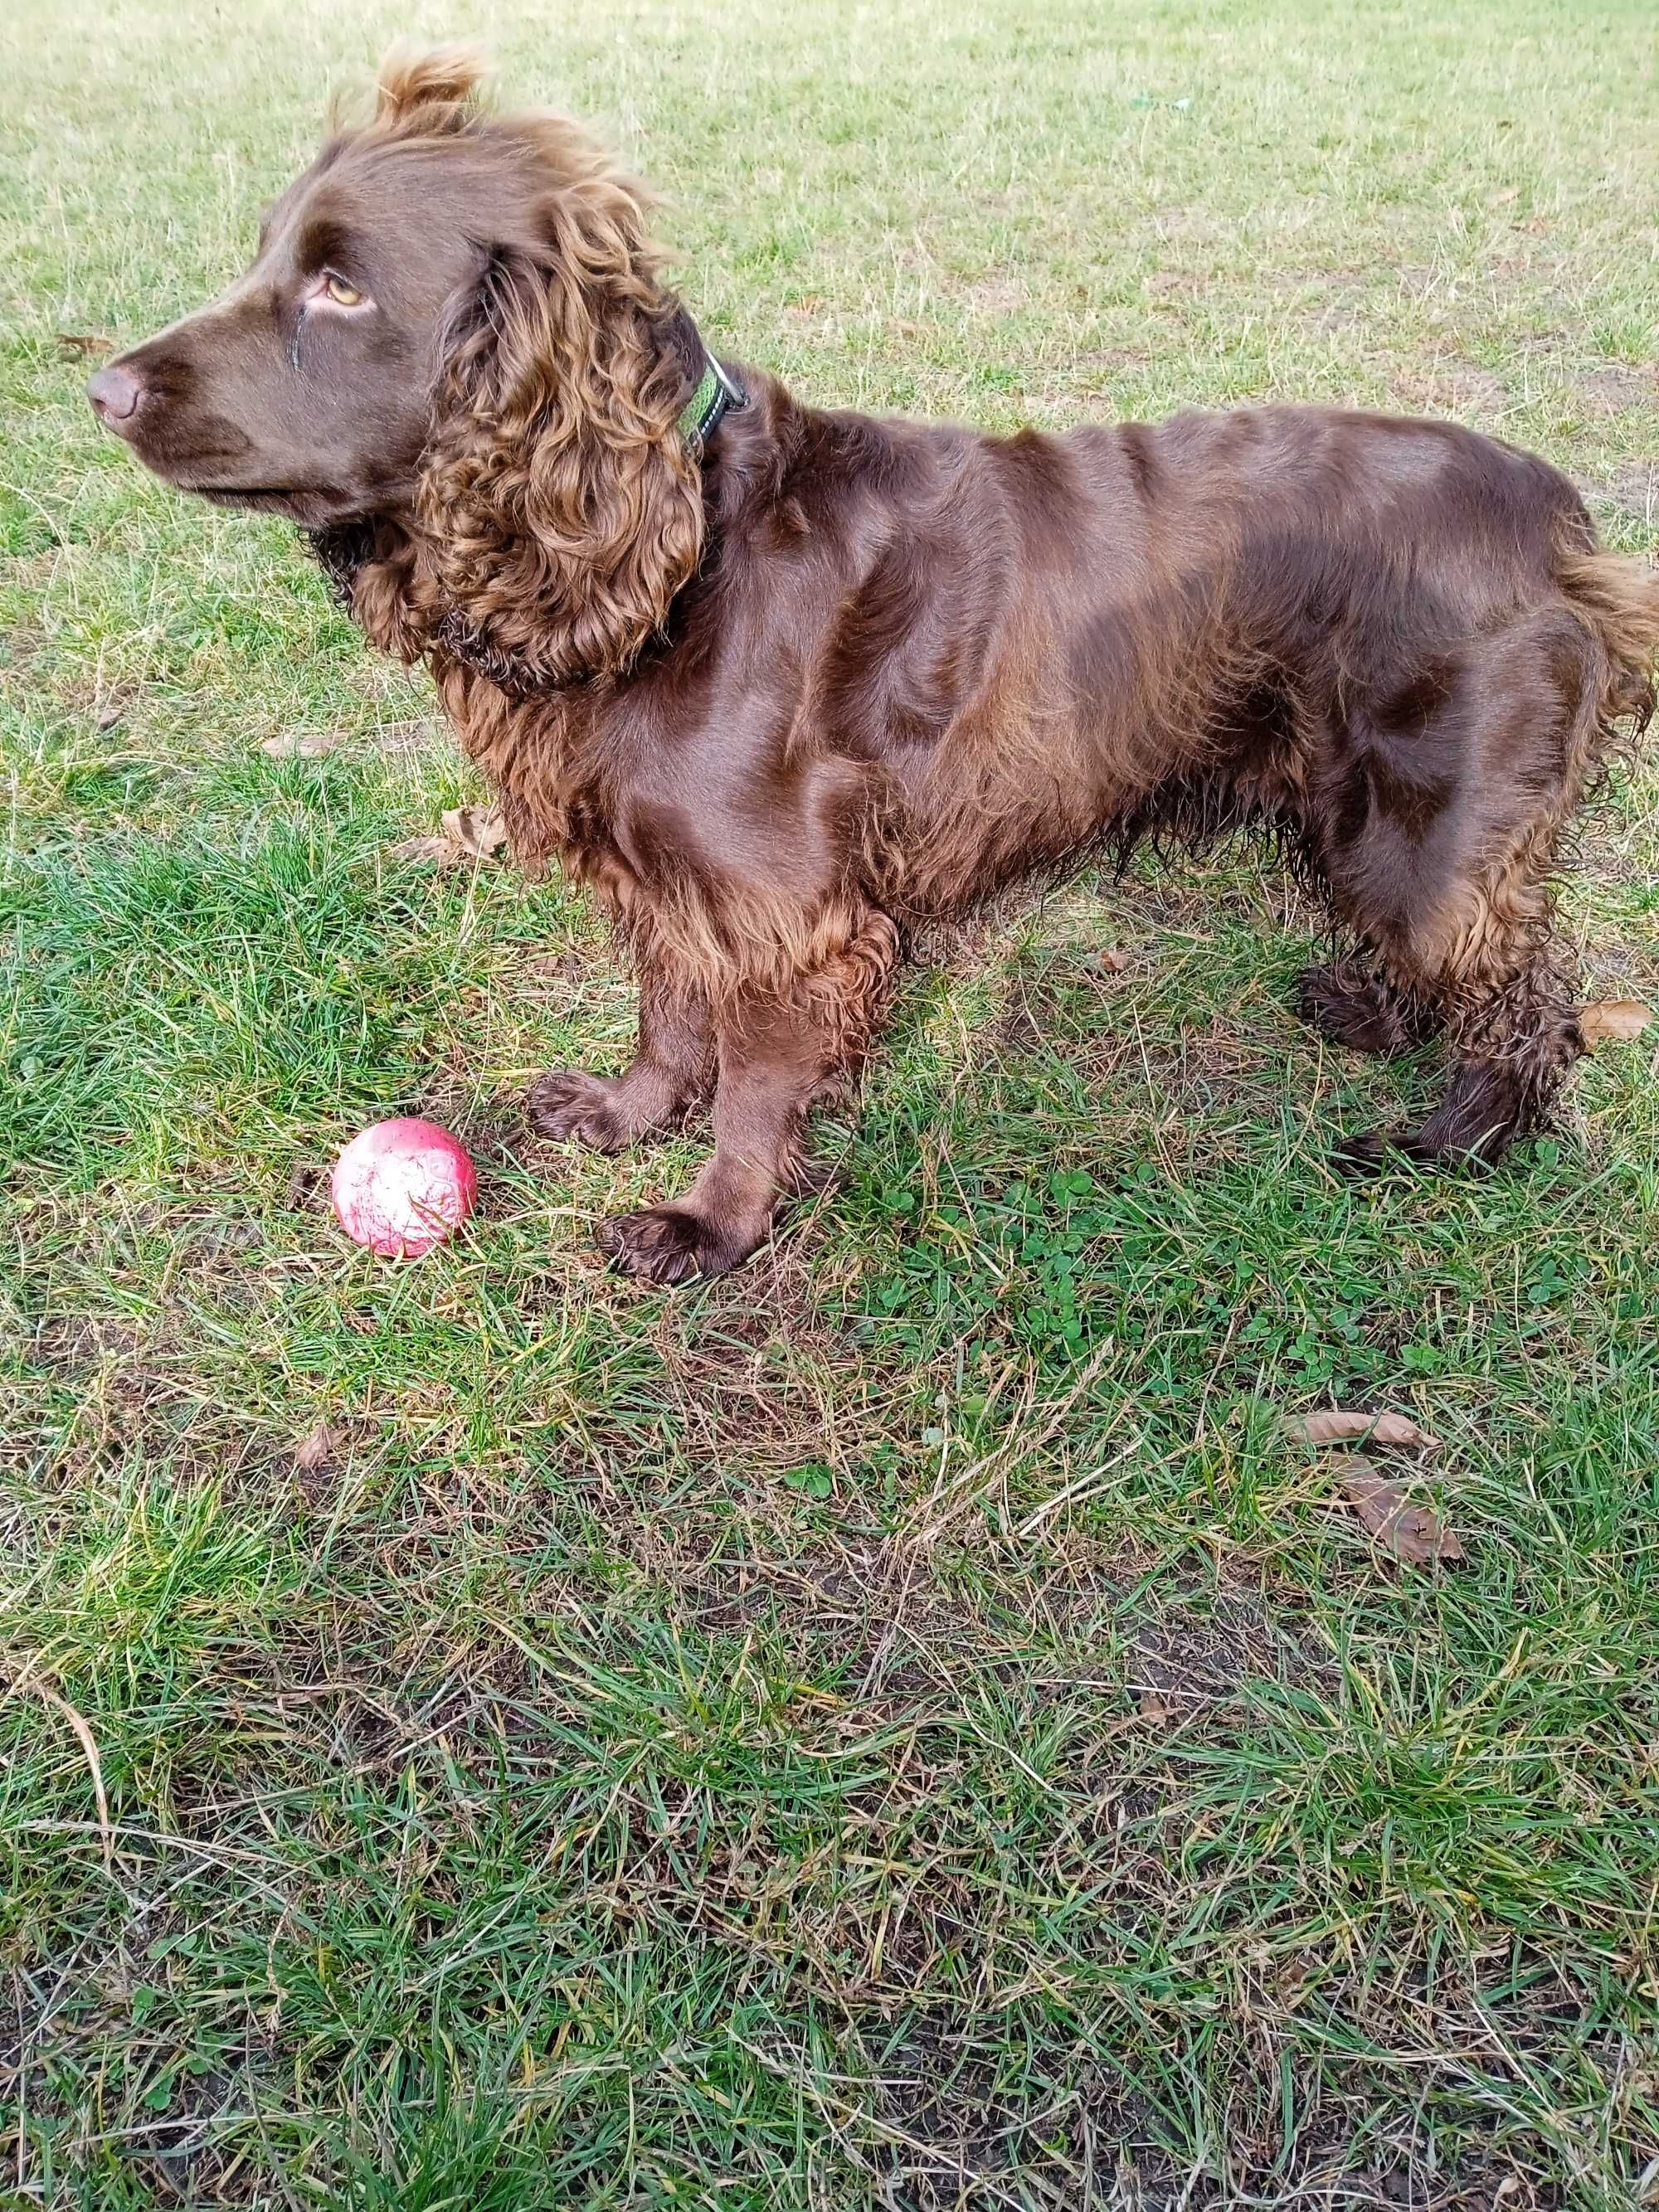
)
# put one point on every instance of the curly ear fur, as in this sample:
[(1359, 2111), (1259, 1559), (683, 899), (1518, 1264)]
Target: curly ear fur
[(419, 91), (560, 509), (375, 571)]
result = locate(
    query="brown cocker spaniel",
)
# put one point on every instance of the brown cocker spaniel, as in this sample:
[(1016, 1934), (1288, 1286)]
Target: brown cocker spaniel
[(783, 685)]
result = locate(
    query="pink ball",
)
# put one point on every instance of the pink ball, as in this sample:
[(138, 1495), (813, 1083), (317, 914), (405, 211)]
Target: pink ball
[(402, 1186)]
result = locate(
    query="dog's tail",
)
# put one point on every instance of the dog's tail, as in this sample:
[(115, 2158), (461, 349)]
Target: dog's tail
[(1617, 600)]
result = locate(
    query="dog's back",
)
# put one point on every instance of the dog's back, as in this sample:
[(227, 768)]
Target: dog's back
[(1394, 643), (1257, 615)]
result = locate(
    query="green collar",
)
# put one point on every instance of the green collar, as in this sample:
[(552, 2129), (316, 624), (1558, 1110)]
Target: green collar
[(716, 391)]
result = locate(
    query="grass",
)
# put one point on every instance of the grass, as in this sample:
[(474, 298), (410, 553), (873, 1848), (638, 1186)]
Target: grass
[(902, 1726)]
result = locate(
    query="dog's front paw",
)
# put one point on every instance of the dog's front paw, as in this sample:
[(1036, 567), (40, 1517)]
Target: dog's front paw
[(571, 1105), (670, 1244)]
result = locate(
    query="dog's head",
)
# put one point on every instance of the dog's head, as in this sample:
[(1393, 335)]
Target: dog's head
[(453, 329)]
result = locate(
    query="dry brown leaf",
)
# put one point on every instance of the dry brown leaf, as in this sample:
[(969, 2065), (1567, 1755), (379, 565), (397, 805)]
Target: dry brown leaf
[(301, 744), (1338, 1426), (469, 834), (476, 829), (87, 342), (316, 1450), (1411, 1532), (558, 967), (1612, 1021), (441, 849)]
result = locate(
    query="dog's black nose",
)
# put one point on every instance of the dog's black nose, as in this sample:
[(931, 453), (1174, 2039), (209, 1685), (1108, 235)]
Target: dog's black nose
[(116, 394)]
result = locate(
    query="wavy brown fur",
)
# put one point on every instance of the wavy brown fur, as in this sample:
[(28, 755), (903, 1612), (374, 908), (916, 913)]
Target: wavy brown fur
[(557, 510), (847, 678)]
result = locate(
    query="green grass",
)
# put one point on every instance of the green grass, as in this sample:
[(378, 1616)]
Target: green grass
[(901, 1727)]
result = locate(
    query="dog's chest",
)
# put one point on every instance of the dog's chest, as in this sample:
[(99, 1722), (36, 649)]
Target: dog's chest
[(543, 758)]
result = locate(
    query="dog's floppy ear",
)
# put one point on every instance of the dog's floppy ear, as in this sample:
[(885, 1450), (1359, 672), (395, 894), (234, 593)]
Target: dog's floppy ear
[(560, 509)]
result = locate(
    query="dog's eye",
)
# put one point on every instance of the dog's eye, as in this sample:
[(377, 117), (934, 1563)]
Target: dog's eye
[(342, 294)]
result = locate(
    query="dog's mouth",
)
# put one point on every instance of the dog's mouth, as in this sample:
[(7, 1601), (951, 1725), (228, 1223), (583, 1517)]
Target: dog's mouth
[(242, 494), (314, 509)]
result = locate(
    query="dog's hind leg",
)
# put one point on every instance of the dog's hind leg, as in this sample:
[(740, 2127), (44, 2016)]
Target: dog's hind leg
[(1514, 1039), (1444, 849), (1514, 1044), (1354, 1005)]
